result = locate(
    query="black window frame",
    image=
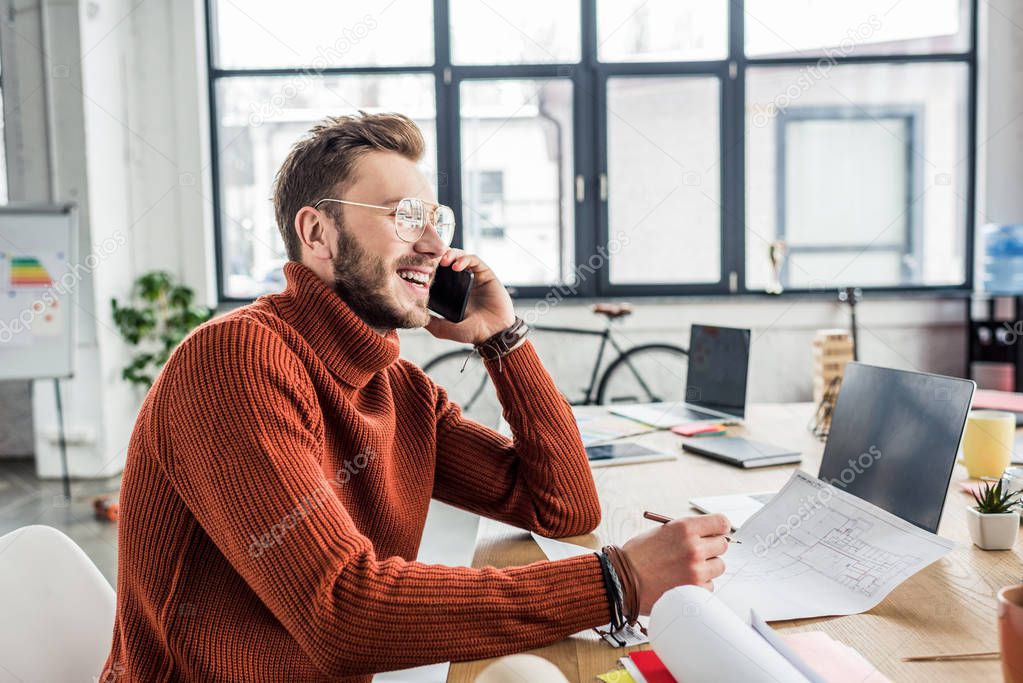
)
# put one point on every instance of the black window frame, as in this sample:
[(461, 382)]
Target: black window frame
[(589, 79)]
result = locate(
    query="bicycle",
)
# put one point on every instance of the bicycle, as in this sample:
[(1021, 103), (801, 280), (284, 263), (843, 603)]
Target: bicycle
[(645, 373)]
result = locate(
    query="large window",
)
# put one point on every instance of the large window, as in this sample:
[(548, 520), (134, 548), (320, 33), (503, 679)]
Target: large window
[(626, 147)]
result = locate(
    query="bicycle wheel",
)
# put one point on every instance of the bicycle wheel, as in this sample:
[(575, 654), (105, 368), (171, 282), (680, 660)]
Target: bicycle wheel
[(644, 374), (471, 389)]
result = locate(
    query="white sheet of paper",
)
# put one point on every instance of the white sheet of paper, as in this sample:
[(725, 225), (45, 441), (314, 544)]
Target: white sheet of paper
[(738, 508), (701, 641), (631, 669), (559, 550), (815, 550), (660, 415), (598, 428)]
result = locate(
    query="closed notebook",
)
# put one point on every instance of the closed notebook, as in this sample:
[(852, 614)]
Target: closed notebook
[(742, 452)]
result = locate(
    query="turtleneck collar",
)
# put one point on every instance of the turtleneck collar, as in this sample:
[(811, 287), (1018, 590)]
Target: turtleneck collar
[(350, 348)]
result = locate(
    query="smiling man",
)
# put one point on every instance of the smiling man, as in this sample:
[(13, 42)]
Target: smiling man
[(281, 467)]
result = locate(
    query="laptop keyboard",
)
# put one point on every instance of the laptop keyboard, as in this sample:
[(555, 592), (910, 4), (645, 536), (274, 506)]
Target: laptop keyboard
[(700, 415)]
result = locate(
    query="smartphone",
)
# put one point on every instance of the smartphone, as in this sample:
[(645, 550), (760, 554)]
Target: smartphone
[(449, 293)]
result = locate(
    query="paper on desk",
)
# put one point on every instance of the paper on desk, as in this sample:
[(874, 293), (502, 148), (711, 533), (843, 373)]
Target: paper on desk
[(601, 427), (815, 550), (701, 641), (559, 550)]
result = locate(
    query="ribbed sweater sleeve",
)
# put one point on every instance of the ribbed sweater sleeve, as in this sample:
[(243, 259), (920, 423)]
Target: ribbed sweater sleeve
[(541, 479), (239, 447)]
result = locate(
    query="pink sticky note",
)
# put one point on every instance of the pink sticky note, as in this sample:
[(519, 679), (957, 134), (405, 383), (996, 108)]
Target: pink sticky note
[(697, 429), (833, 661), (973, 486)]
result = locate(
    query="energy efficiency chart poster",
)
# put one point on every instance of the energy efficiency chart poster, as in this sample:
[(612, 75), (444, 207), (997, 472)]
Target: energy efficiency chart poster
[(39, 275), (29, 302), (28, 273)]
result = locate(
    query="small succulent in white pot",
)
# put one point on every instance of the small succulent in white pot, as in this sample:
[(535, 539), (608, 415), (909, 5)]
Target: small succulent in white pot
[(994, 520)]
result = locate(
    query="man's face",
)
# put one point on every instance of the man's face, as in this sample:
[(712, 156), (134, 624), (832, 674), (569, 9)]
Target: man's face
[(374, 269)]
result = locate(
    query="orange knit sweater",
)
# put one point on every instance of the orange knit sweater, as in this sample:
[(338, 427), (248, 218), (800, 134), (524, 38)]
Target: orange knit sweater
[(274, 496)]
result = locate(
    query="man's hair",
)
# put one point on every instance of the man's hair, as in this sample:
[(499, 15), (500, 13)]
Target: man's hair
[(322, 163)]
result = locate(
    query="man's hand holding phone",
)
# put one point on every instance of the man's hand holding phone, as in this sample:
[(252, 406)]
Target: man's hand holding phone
[(489, 309)]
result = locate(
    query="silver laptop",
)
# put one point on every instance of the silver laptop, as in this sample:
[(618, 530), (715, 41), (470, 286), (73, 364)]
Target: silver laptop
[(893, 442), (716, 380)]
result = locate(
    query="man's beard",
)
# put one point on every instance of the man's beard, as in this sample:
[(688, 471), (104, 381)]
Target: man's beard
[(363, 282)]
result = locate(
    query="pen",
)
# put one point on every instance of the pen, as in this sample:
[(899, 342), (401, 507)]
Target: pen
[(654, 517), (953, 658)]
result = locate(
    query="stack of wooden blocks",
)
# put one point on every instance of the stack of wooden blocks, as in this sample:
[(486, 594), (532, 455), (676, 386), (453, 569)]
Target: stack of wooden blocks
[(832, 349)]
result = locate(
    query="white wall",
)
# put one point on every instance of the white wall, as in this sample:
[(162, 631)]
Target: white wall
[(112, 91), (125, 120)]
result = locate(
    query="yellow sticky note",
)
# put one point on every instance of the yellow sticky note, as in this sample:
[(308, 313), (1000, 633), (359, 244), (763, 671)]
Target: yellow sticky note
[(616, 676)]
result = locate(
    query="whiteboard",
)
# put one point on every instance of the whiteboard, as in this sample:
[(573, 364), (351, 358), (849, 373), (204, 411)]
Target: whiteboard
[(39, 278)]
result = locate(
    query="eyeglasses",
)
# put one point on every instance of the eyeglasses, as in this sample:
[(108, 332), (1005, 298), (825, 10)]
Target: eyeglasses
[(410, 218)]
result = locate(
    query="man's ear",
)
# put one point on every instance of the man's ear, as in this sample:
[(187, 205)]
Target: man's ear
[(316, 233)]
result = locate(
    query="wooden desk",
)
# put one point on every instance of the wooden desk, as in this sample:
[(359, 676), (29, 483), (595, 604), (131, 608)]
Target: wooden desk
[(949, 607)]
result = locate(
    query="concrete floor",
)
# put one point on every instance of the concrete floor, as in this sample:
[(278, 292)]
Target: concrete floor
[(25, 499)]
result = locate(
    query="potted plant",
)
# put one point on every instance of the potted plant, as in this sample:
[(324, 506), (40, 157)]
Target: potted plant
[(993, 521), (159, 316)]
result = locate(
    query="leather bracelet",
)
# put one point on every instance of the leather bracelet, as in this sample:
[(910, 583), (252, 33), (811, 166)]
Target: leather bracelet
[(504, 342), (622, 566)]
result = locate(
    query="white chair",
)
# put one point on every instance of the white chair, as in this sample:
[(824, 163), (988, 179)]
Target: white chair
[(56, 609)]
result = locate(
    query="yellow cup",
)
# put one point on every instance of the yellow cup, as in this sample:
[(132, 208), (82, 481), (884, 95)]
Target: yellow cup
[(988, 443)]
